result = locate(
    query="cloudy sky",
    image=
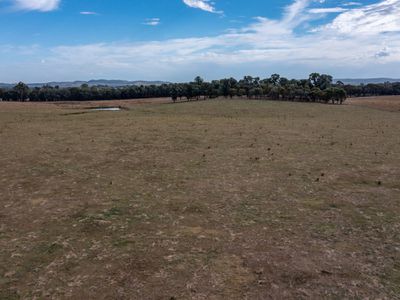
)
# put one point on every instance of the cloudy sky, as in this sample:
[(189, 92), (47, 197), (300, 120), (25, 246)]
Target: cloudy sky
[(175, 40)]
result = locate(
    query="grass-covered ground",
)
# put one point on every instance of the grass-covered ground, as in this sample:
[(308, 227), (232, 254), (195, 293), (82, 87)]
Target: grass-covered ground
[(207, 200)]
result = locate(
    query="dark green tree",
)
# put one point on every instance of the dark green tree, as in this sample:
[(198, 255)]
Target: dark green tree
[(22, 91)]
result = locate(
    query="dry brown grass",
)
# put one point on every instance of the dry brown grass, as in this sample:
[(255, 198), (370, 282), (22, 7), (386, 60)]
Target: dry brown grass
[(208, 200), (389, 103), (112, 103)]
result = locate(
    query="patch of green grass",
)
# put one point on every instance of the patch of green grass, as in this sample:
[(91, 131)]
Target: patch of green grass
[(247, 214), (315, 204), (52, 248), (391, 279), (113, 212), (325, 230), (8, 294), (196, 208), (121, 243)]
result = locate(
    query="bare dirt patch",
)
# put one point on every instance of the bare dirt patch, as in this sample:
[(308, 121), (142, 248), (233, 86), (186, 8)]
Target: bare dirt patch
[(208, 200)]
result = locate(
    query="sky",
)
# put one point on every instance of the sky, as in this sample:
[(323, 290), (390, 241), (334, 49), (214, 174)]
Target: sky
[(176, 40)]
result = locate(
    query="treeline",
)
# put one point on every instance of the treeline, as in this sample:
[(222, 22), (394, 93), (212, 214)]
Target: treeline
[(371, 89), (317, 88)]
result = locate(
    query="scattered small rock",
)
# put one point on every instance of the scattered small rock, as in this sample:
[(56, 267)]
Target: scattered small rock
[(259, 271), (9, 274), (324, 272)]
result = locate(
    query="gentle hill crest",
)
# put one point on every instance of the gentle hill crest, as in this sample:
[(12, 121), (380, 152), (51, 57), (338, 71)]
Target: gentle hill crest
[(94, 82), (358, 81), (119, 83)]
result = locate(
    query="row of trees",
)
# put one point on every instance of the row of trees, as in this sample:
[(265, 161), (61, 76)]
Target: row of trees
[(317, 88), (371, 89)]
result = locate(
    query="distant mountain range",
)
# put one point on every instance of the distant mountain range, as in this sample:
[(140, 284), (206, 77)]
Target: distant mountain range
[(358, 81), (99, 82), (119, 83)]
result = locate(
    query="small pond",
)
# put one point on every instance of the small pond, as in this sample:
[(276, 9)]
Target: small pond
[(105, 108)]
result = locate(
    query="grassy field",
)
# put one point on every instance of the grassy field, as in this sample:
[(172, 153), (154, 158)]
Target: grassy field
[(209, 200)]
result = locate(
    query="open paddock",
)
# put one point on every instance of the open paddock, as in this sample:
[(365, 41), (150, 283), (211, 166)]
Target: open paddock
[(214, 199)]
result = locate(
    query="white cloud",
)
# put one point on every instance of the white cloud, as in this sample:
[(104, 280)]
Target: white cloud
[(383, 53), (352, 4), (294, 12), (382, 17), (39, 5), (152, 22), (327, 10), (88, 13), (205, 5)]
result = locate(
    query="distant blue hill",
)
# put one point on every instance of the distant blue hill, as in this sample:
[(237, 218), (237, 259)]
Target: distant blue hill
[(358, 81), (120, 83), (99, 82)]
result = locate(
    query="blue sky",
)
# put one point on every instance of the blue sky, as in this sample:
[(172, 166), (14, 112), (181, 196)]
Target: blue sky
[(175, 40)]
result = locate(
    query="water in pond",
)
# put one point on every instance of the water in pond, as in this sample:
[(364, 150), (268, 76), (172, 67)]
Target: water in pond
[(106, 108)]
